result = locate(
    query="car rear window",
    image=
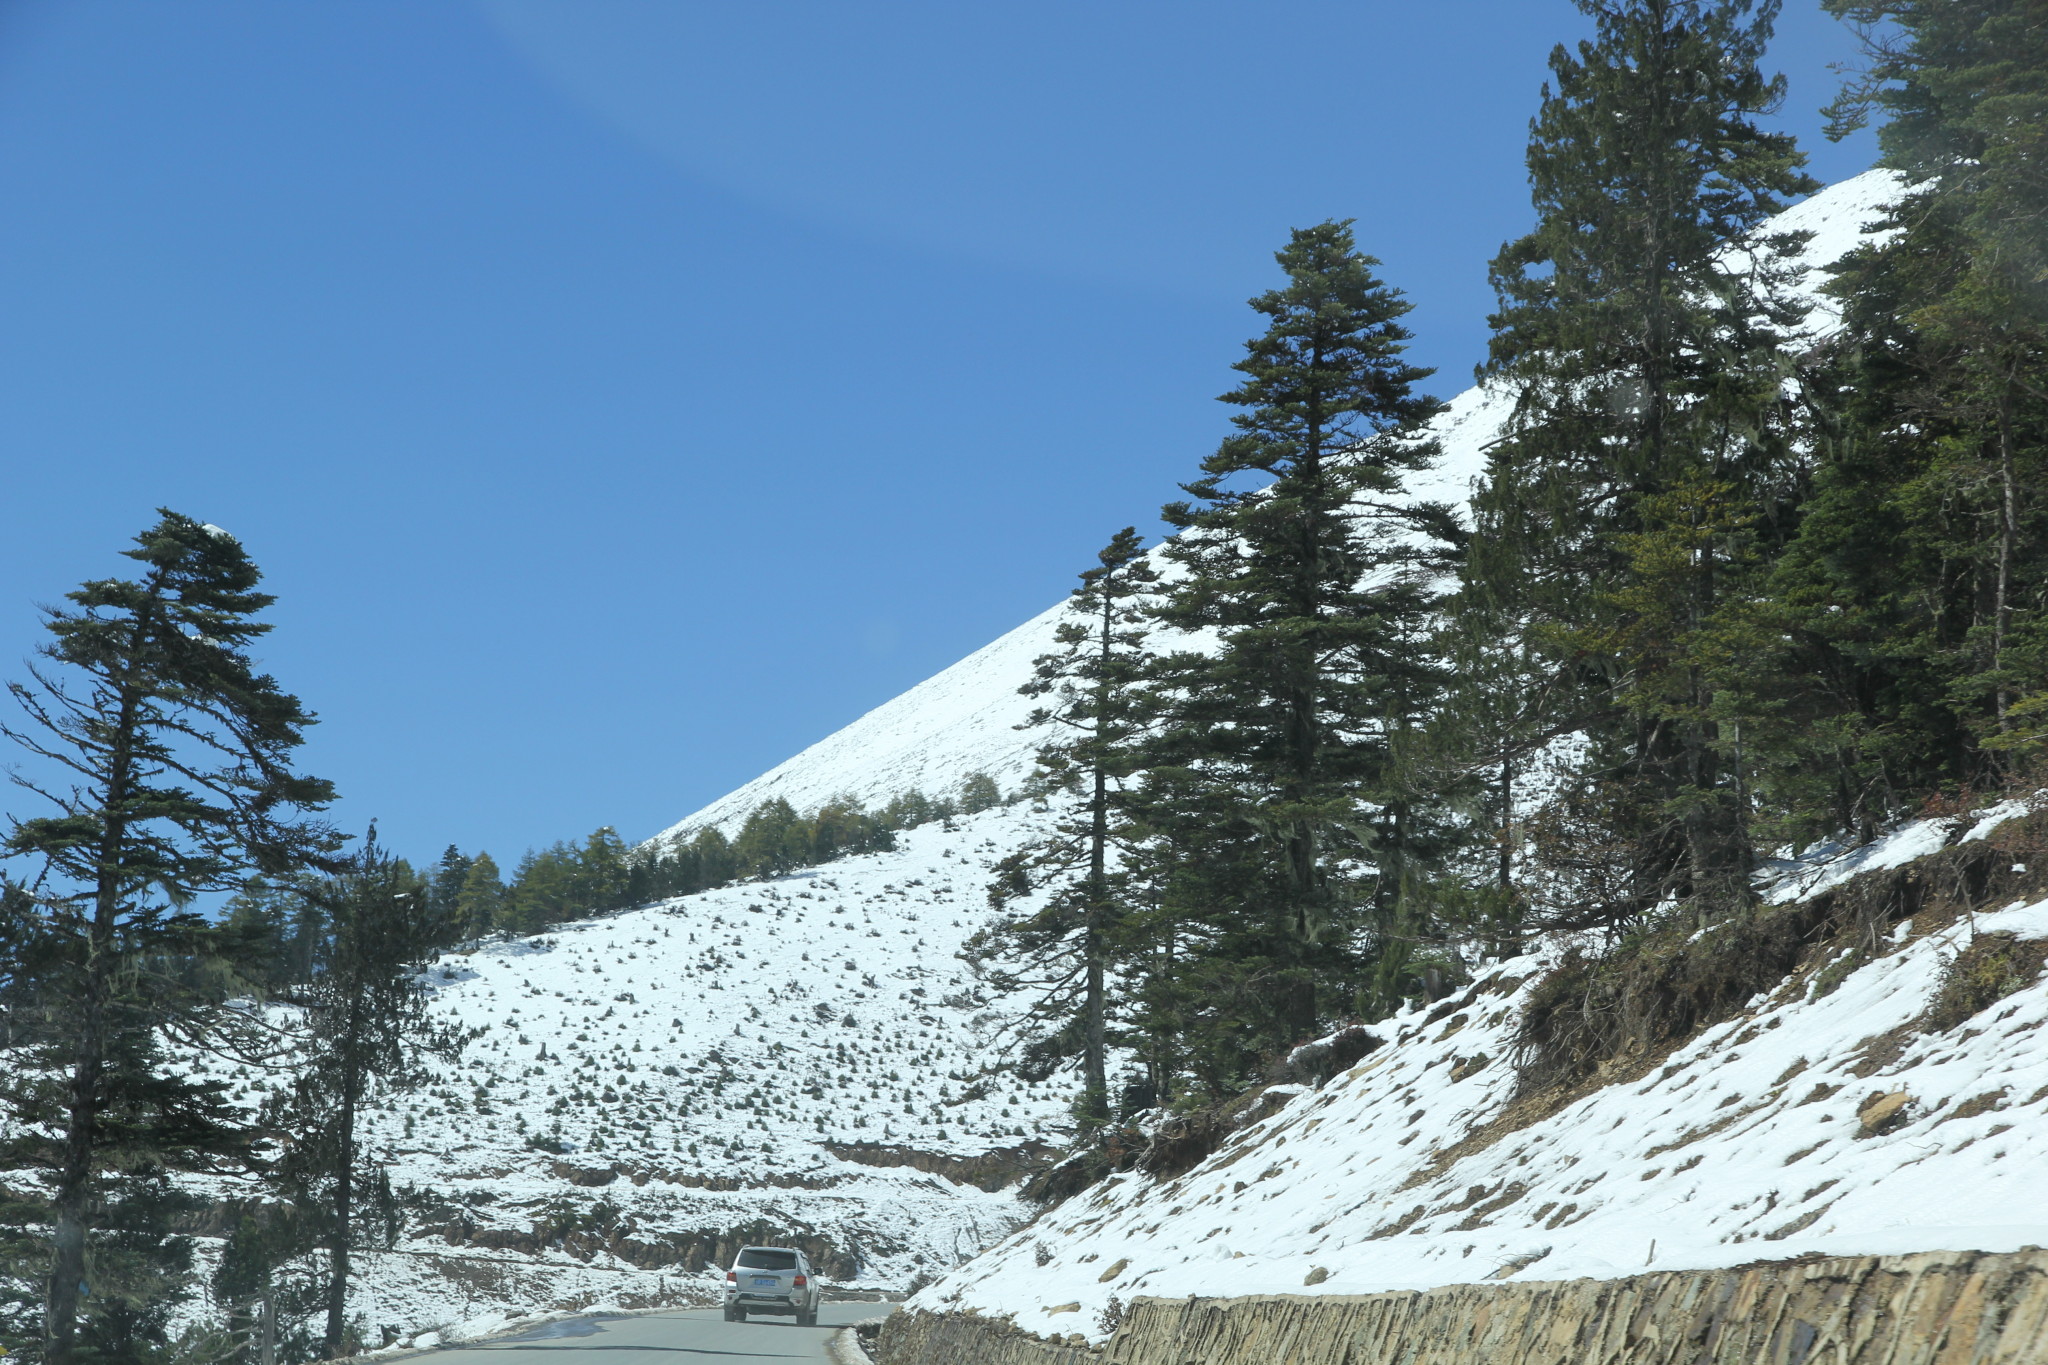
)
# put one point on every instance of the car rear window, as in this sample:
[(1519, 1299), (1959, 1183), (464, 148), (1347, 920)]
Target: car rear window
[(760, 1258)]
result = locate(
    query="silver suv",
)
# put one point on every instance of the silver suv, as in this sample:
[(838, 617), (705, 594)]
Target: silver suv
[(771, 1280)]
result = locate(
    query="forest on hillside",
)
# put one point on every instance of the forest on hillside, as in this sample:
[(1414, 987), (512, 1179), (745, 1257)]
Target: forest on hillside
[(1725, 590), (1731, 585)]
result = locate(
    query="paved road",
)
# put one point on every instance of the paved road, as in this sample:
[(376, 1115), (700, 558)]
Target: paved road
[(682, 1337)]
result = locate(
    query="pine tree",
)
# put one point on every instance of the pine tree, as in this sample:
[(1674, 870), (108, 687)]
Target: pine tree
[(369, 1031), (176, 781), (1057, 903), (264, 914), (713, 852), (600, 883), (979, 792), (480, 904), (265, 1284), (765, 847), (1911, 602), (1648, 467), (445, 891), (843, 825), (543, 891), (1270, 774)]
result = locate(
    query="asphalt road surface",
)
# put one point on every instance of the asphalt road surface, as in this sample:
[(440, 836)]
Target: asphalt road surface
[(682, 1337)]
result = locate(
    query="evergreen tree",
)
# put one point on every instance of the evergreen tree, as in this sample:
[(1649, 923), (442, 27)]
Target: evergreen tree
[(1058, 911), (712, 855), (1912, 647), (368, 1032), (175, 756), (600, 883), (1270, 776), (264, 1281), (445, 891), (908, 810), (843, 826), (542, 892), (480, 904), (765, 847), (1647, 471), (267, 916), (979, 792)]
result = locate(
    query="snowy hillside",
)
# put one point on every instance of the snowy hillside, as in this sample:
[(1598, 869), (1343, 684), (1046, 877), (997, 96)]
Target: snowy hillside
[(801, 1059), (963, 719), (1831, 1117), (655, 1081)]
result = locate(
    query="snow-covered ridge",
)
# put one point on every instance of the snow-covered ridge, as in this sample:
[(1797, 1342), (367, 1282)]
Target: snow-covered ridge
[(1822, 1120), (964, 719)]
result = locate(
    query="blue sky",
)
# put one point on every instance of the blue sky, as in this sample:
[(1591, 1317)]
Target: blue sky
[(622, 395)]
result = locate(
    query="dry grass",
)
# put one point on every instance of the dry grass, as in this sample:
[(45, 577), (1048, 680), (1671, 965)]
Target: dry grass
[(1982, 974), (1593, 1016)]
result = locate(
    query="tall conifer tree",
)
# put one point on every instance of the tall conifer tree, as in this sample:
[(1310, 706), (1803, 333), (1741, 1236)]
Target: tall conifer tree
[(480, 904), (1058, 903), (445, 891), (1911, 605), (170, 763), (369, 1032), (1647, 468), (1271, 776)]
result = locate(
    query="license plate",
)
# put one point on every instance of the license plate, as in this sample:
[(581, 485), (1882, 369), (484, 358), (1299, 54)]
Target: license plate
[(768, 1280)]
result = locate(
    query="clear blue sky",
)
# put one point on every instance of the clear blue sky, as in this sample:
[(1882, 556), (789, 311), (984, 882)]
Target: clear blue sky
[(622, 394)]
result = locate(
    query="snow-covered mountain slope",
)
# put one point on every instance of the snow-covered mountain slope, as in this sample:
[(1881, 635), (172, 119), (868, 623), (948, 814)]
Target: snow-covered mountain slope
[(964, 719), (742, 1063), (1831, 1117), (736, 1064), (959, 721)]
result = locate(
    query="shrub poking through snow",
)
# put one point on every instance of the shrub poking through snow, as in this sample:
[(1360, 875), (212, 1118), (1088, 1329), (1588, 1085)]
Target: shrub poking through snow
[(1315, 1063), (1982, 974)]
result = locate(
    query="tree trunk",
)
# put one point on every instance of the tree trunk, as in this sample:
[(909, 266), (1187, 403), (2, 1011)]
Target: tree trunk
[(1504, 872), (74, 1181), (1094, 1045), (2008, 534), (333, 1343), (71, 1206), (1297, 988)]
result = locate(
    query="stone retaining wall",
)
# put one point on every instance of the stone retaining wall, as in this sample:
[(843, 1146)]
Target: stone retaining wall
[(1932, 1308)]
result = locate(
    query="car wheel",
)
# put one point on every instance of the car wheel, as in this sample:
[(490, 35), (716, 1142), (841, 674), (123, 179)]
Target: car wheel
[(809, 1319)]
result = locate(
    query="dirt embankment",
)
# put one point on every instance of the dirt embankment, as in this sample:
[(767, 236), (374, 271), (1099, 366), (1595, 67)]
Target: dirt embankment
[(992, 1170), (1931, 1308)]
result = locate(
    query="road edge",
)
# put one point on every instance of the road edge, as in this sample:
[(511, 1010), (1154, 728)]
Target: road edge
[(845, 1349)]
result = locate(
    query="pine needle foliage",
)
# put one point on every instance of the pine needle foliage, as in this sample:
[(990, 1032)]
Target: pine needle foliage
[(1272, 779), (1648, 470), (1912, 602), (369, 1033), (1060, 901), (165, 758)]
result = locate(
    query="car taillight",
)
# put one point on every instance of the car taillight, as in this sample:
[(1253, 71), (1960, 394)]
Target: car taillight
[(733, 1276), (801, 1282)]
